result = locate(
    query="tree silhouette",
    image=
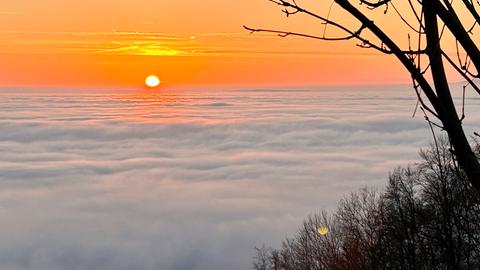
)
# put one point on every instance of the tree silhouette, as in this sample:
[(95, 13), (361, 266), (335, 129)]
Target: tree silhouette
[(428, 22), (428, 217)]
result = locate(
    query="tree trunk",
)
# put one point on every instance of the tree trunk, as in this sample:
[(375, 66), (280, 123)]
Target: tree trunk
[(465, 156), (445, 107)]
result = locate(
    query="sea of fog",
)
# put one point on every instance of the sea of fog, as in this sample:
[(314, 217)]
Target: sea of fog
[(187, 179)]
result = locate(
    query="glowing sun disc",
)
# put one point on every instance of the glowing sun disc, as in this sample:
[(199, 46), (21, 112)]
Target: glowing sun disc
[(152, 81)]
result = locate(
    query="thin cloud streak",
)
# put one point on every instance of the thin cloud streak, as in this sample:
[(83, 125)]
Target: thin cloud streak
[(149, 43), (12, 13)]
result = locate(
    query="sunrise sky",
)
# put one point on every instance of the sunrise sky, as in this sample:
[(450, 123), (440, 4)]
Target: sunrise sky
[(246, 135), (184, 42)]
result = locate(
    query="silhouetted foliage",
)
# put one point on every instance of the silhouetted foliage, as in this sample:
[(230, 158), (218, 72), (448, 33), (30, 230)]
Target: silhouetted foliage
[(428, 217), (429, 28)]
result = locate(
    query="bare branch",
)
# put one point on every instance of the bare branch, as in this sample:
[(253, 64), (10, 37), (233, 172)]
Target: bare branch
[(433, 18)]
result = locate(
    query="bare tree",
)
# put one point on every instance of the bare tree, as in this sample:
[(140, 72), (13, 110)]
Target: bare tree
[(428, 217), (428, 22)]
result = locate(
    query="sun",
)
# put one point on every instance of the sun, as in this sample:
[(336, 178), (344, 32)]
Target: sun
[(152, 81)]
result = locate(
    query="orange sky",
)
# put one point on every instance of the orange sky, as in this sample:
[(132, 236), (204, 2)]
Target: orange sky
[(184, 42)]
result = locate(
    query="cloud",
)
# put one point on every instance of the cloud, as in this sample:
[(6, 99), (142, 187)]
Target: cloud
[(123, 181), (12, 12), (160, 44)]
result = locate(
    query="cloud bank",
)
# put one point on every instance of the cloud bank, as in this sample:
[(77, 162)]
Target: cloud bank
[(186, 180)]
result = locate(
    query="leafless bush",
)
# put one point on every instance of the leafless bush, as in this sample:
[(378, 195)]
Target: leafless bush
[(428, 217)]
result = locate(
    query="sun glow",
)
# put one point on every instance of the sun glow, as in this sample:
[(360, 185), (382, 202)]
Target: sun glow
[(152, 81), (323, 230)]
